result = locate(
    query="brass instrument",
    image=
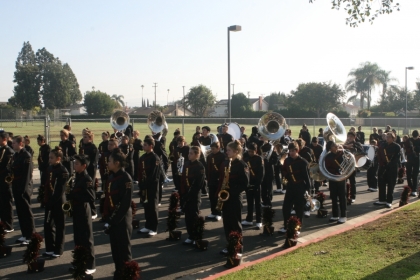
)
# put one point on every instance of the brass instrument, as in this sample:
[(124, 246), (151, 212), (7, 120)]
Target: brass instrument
[(206, 150), (67, 209), (9, 178), (312, 203), (224, 191), (157, 123), (272, 126), (119, 121), (180, 164)]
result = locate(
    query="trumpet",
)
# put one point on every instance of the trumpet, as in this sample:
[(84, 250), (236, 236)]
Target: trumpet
[(67, 209), (224, 195)]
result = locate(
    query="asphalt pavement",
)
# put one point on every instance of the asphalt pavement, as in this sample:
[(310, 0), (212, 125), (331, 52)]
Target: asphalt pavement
[(159, 258)]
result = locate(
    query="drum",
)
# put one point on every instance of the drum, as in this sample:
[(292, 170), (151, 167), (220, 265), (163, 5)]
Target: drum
[(235, 130), (369, 151)]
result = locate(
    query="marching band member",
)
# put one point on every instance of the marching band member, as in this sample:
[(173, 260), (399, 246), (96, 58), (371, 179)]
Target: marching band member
[(353, 146), (160, 149), (205, 140), (225, 138), (214, 162), (112, 144), (255, 138), (287, 137), (304, 151), (267, 182), (118, 205), (10, 140), (237, 175), (372, 171), (81, 196), (181, 151), (333, 160), (127, 150), (137, 146), (149, 174), (321, 132), (192, 180), (295, 171), (375, 136), (173, 158), (243, 135), (253, 192), (54, 222), (412, 150), (397, 137), (6, 199), (22, 169), (103, 159), (27, 147), (317, 151), (278, 148), (360, 135), (88, 148), (305, 135), (72, 138), (388, 157), (68, 149), (43, 164)]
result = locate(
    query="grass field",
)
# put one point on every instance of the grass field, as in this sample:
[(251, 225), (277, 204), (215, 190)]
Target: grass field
[(32, 129), (388, 248)]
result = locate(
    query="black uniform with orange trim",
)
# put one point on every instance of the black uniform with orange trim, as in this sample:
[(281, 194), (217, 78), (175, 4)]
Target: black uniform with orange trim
[(412, 151), (137, 146), (238, 182), (214, 162), (178, 152), (81, 196), (389, 159), (92, 152), (253, 192), (295, 171), (193, 177), (337, 188), (128, 151), (103, 162), (69, 150), (22, 167), (149, 174), (225, 138), (118, 205), (6, 199), (54, 222)]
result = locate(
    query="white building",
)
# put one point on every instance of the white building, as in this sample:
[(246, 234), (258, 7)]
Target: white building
[(221, 110), (351, 109), (75, 110)]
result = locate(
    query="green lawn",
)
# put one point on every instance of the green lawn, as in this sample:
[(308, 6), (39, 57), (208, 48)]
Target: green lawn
[(388, 248)]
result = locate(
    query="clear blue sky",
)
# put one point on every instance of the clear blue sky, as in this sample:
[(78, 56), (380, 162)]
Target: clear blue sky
[(117, 46)]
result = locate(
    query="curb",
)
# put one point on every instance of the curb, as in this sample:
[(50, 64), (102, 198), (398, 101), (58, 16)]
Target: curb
[(283, 252)]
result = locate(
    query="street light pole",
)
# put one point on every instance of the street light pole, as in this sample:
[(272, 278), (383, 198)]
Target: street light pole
[(142, 86), (233, 89), (230, 28), (155, 94), (183, 100), (406, 97), (167, 99)]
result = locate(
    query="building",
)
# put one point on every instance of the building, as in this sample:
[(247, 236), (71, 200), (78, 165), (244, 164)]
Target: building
[(75, 110), (351, 109), (258, 104), (221, 110), (177, 110)]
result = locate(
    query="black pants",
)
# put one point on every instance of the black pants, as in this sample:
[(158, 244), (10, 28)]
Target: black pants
[(54, 229), (151, 211), (352, 181), (253, 196), (316, 186), (277, 176), (92, 174), (267, 191), (387, 181), (24, 212), (412, 169), (192, 209), (232, 215), (83, 233), (338, 190), (120, 239), (295, 196), (6, 206), (213, 197), (372, 178)]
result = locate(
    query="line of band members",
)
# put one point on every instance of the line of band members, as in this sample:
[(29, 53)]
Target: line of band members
[(248, 172)]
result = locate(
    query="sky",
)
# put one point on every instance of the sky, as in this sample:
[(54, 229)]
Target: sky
[(118, 46)]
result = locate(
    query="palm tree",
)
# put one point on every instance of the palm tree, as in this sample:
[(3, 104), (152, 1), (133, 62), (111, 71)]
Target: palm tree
[(355, 85), (386, 79), (119, 100)]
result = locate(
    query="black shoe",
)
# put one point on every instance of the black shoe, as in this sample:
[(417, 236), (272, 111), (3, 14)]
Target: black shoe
[(46, 255), (224, 252)]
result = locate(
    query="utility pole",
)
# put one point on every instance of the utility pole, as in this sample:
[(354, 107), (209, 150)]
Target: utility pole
[(233, 89), (155, 86), (183, 92), (167, 99)]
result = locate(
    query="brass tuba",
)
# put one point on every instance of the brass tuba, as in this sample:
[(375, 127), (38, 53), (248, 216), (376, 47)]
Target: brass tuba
[(156, 122), (205, 150), (336, 129), (272, 126), (119, 121)]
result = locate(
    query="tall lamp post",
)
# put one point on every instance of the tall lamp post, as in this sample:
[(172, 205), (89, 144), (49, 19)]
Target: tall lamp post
[(406, 97), (142, 86), (167, 99), (233, 28)]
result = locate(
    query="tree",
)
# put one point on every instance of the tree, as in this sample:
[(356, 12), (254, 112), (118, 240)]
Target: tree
[(385, 79), (26, 90), (119, 100), (199, 99), (274, 99), (316, 97), (98, 103), (239, 105), (394, 100), (361, 10), (356, 85), (73, 85)]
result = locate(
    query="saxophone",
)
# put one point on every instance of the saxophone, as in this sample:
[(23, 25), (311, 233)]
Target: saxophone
[(224, 191), (67, 209)]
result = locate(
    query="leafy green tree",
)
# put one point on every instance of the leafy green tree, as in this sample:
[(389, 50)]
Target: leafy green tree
[(119, 100), (73, 85), (316, 97), (274, 99), (240, 104), (361, 10), (199, 99), (98, 103), (26, 90), (394, 100)]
